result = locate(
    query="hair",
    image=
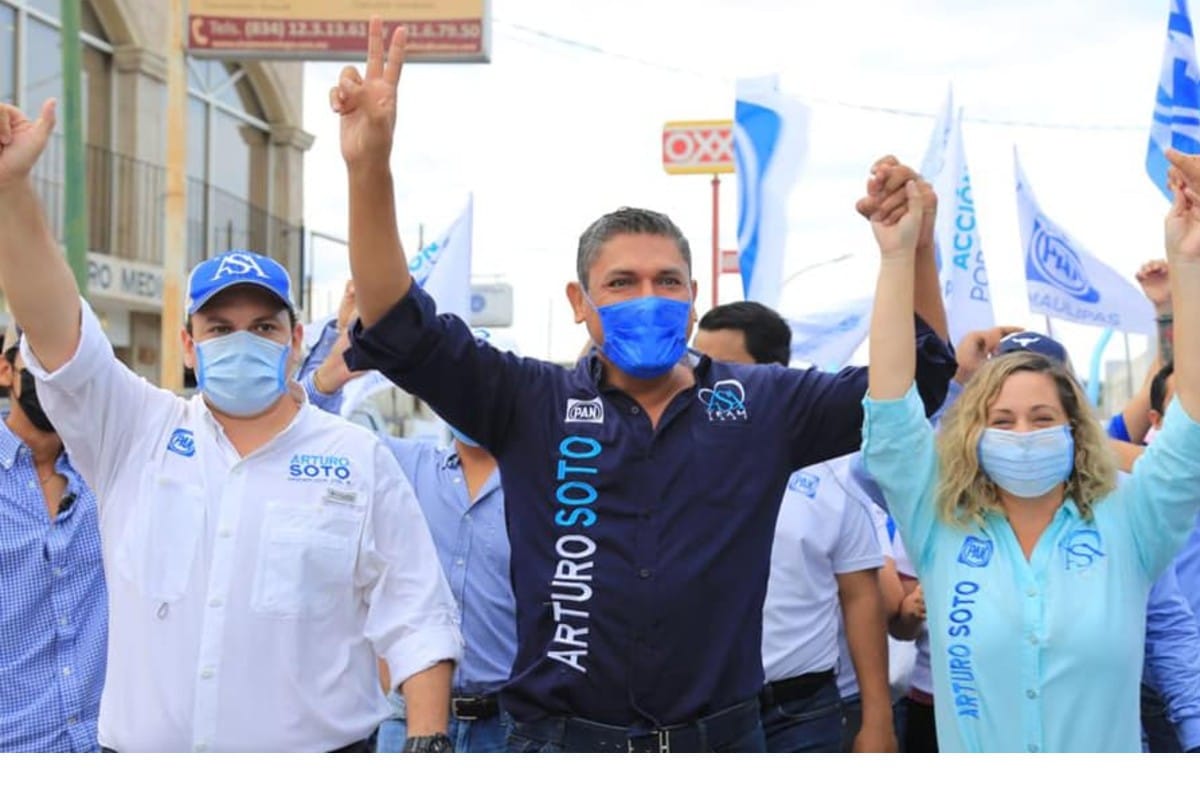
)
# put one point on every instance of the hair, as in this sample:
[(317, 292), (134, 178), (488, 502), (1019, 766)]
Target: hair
[(965, 492), (626, 220), (1158, 387), (768, 336)]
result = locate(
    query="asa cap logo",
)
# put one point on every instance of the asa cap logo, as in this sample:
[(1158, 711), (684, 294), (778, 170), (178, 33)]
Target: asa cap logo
[(725, 401)]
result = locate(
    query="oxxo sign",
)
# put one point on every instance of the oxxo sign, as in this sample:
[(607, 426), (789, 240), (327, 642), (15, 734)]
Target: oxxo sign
[(698, 147), (131, 282)]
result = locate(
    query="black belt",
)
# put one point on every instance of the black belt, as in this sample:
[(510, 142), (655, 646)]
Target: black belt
[(473, 707), (789, 690), (576, 735)]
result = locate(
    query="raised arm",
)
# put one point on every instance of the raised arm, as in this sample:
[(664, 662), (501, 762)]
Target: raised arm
[(886, 201), (1182, 234), (38, 283), (892, 348), (367, 106)]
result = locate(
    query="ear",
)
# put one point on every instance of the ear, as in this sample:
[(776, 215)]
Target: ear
[(7, 373), (297, 352), (189, 349), (579, 303), (695, 289), (1156, 419)]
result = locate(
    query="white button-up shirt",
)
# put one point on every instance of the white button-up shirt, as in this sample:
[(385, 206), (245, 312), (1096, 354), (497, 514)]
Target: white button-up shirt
[(250, 596), (825, 529)]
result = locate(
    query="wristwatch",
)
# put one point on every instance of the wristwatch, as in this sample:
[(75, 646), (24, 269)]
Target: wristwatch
[(437, 743)]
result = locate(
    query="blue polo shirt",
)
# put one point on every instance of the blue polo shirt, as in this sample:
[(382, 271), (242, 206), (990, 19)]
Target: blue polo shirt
[(639, 555)]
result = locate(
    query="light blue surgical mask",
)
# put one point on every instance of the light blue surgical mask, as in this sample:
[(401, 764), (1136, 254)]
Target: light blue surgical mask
[(1028, 464), (242, 373), (646, 336)]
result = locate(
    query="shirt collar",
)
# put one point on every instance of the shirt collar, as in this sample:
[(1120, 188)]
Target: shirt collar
[(591, 365), (9, 444)]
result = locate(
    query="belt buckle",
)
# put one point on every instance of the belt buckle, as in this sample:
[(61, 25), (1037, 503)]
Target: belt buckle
[(454, 706), (663, 737)]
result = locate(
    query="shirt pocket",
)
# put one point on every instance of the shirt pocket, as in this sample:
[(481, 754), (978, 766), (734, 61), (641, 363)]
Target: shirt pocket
[(306, 558), (159, 554)]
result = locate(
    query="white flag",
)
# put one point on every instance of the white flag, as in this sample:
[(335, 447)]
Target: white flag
[(961, 266), (1065, 281), (443, 267), (770, 138), (827, 339)]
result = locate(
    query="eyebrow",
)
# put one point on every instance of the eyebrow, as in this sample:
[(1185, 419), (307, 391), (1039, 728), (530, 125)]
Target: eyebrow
[(1038, 407), (218, 319)]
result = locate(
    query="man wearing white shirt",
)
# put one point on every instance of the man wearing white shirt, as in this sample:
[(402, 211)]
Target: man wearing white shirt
[(260, 554), (825, 552)]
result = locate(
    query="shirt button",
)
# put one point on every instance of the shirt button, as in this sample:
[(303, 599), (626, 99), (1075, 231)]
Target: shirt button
[(58, 572), (200, 747), (644, 573), (1032, 592), (62, 621), (66, 670), (1033, 638), (72, 720), (1033, 748), (225, 533), (1031, 693), (206, 673), (635, 411), (459, 562), (215, 602), (467, 517)]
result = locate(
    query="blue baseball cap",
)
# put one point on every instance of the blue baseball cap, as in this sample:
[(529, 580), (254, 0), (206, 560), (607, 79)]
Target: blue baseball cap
[(234, 268), (1036, 343)]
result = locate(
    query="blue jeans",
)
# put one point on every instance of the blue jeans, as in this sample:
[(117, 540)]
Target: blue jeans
[(811, 725), (1158, 734), (469, 736), (547, 735)]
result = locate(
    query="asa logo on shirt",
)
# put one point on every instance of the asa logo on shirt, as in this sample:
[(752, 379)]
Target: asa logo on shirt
[(725, 401), (976, 552), (585, 410), (805, 483), (1081, 549), (182, 442)]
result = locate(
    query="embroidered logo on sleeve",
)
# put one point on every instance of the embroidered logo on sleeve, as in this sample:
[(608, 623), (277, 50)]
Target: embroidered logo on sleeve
[(976, 552), (805, 483)]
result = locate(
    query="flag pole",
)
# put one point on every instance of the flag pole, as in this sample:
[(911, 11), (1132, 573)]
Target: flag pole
[(716, 238)]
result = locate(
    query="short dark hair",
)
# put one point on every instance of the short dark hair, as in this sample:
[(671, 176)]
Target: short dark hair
[(768, 336), (1158, 387), (626, 220)]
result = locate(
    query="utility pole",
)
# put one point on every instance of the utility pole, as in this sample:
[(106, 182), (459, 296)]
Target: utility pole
[(75, 219), (170, 351)]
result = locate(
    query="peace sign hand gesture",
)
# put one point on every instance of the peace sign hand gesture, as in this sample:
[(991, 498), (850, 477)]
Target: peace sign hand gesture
[(367, 104)]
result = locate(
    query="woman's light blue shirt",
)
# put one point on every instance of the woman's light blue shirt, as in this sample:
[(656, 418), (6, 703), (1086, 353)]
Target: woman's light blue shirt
[(1043, 654)]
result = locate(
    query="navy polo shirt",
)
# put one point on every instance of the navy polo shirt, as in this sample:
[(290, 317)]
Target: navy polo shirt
[(639, 556)]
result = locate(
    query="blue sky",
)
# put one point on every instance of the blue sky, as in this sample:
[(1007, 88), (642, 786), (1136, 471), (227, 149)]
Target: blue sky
[(564, 125)]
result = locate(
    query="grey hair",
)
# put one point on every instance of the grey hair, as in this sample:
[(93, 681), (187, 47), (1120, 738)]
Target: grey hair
[(626, 220)]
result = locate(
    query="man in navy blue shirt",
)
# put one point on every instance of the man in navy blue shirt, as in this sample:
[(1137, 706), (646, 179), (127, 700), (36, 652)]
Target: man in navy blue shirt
[(641, 486)]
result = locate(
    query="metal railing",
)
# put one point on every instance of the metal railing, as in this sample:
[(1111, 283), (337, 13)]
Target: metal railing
[(125, 211)]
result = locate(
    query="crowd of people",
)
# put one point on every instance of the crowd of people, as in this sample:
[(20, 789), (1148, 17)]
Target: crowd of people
[(943, 550)]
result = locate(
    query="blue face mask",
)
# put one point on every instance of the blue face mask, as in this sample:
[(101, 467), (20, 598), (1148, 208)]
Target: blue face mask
[(644, 337), (462, 437), (1027, 464), (241, 374)]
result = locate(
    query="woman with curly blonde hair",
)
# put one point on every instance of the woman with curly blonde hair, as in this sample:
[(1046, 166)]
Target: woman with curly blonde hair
[(1035, 565)]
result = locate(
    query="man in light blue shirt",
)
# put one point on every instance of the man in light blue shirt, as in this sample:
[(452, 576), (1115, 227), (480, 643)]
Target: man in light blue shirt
[(53, 604), (459, 490)]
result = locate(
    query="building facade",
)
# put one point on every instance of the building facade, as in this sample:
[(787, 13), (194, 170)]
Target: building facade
[(245, 149)]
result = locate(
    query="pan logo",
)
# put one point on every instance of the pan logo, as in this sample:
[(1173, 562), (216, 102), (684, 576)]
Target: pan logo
[(1052, 260)]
